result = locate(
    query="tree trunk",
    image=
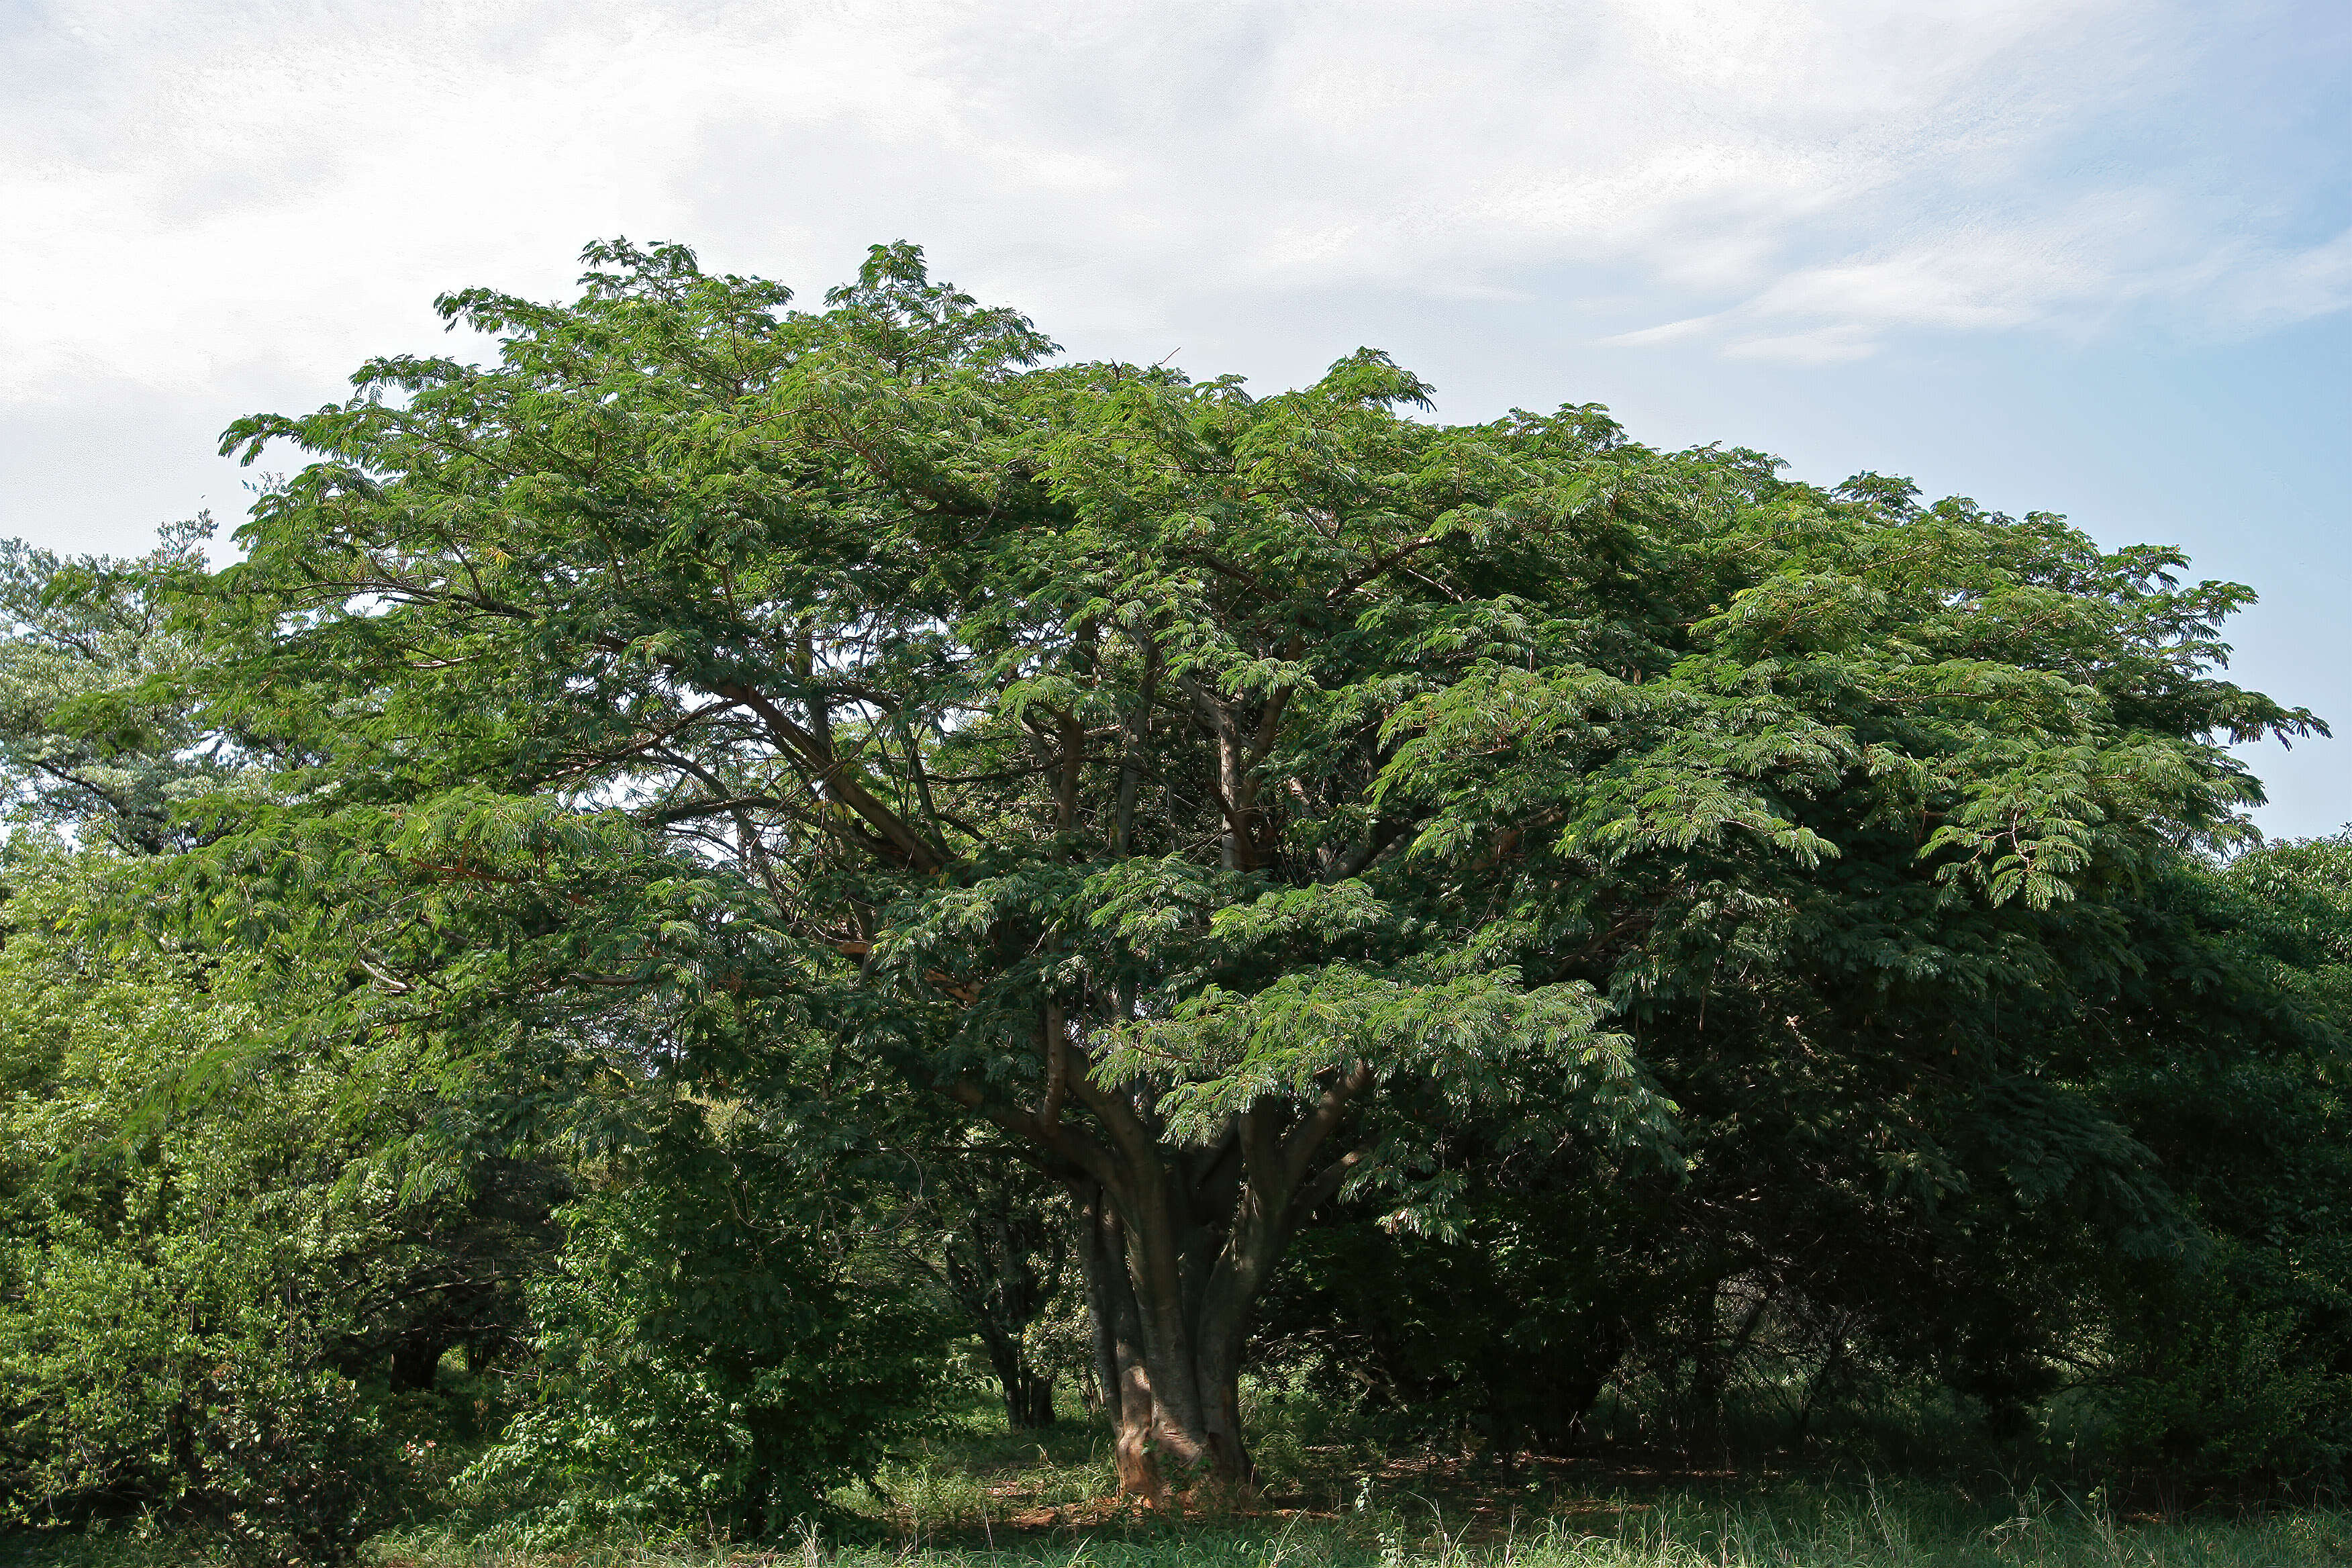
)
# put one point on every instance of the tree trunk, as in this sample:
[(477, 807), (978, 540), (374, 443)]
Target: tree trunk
[(1173, 1270), (1176, 1417), (417, 1361), (1028, 1389), (1714, 1362), (1176, 1243), (1029, 1401), (1119, 1349)]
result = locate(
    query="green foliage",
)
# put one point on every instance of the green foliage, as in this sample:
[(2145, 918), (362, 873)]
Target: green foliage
[(1246, 803), (2147, 1235), (711, 1359), (180, 1378), (649, 653), (96, 736), (1677, 929), (2241, 1373), (169, 1301), (2293, 911), (2242, 1364)]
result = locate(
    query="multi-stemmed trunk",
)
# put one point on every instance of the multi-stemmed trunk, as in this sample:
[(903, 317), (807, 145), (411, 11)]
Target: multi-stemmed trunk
[(1176, 1246)]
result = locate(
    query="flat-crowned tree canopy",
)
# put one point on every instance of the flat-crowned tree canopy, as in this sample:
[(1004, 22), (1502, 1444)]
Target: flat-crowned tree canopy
[(1213, 793)]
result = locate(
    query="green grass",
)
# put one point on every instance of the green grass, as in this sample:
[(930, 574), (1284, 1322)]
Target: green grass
[(1012, 1503), (971, 1496), (1787, 1523)]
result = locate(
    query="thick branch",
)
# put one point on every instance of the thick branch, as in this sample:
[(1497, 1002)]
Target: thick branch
[(1322, 1187), (1343, 865), (1298, 1150), (1067, 1141), (838, 779), (1378, 564)]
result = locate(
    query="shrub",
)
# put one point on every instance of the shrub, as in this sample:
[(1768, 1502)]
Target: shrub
[(711, 1361), (187, 1377)]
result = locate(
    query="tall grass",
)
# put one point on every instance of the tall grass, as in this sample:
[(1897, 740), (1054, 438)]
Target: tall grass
[(1868, 1523)]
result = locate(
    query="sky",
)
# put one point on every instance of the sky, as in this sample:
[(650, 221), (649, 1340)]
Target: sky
[(2090, 257)]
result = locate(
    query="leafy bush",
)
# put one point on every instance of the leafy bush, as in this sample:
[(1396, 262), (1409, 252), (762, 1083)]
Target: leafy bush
[(185, 1372), (711, 1359), (2239, 1367), (169, 1302), (2231, 1390)]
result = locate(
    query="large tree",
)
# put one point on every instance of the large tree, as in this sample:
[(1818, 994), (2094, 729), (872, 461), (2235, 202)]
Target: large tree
[(1214, 793)]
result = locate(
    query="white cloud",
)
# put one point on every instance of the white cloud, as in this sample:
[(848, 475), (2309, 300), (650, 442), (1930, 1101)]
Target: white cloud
[(1665, 332), (1821, 345), (2068, 270), (200, 193), (2290, 284)]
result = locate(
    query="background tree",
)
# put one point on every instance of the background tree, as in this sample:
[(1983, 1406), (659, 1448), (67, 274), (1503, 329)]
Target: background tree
[(224, 1239), (87, 743), (2240, 1365), (2147, 1244), (991, 1231), (174, 1252)]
